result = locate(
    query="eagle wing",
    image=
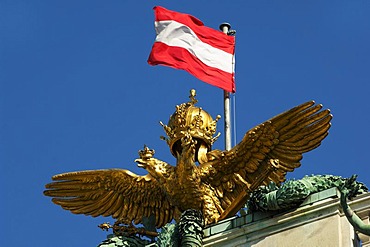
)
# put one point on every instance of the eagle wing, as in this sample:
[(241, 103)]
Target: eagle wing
[(115, 192), (266, 153)]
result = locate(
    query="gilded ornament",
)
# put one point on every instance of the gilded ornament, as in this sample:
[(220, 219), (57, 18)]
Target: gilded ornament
[(217, 183)]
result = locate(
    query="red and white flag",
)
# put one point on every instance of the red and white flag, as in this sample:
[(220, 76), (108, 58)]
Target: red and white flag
[(183, 42)]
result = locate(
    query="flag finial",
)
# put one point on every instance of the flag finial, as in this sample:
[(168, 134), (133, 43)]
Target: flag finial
[(226, 28)]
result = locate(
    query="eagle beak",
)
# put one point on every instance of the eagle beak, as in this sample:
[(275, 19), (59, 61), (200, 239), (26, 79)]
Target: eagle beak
[(141, 163)]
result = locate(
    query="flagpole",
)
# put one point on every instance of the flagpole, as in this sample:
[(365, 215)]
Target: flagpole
[(225, 27)]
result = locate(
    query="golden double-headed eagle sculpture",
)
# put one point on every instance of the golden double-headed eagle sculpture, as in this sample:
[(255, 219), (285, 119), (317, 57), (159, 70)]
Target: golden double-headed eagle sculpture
[(216, 182)]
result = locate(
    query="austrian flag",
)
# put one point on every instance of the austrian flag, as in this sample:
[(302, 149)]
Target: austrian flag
[(183, 42)]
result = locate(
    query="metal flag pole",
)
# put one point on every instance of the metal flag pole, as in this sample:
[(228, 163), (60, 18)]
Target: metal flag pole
[(227, 122), (225, 27)]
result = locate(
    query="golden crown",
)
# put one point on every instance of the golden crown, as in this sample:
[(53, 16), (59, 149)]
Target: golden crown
[(189, 119), (146, 153)]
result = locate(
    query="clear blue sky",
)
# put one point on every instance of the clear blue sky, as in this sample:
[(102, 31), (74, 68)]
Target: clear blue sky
[(76, 93)]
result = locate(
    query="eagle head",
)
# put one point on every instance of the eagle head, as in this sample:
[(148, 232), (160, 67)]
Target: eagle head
[(157, 168)]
